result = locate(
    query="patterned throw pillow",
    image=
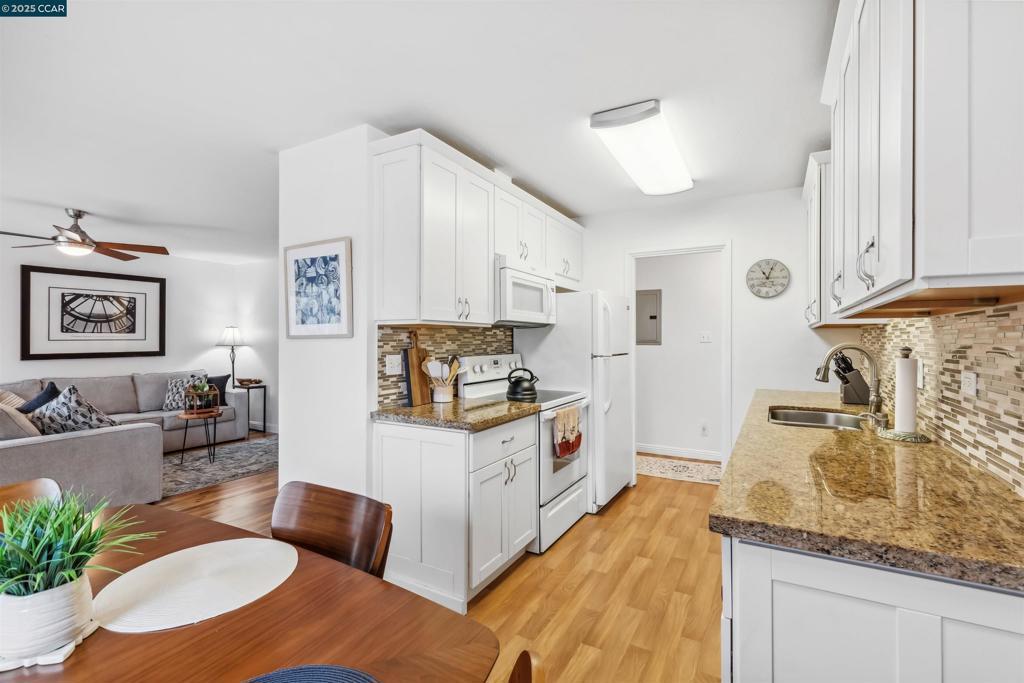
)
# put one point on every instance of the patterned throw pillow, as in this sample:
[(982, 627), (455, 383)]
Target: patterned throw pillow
[(175, 398), (10, 400), (69, 412)]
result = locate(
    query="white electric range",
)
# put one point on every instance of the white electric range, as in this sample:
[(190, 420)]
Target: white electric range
[(562, 482)]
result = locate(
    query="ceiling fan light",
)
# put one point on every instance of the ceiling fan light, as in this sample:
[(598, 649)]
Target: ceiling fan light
[(70, 247), (639, 138)]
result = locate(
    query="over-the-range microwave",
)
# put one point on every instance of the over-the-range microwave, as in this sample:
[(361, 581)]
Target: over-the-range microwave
[(524, 299)]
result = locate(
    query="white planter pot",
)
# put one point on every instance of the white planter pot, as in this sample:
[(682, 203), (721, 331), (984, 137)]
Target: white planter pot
[(34, 625)]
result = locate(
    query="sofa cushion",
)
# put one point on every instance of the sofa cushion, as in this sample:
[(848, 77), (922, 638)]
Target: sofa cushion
[(26, 388), (221, 382), (115, 394), (171, 421), (14, 425), (49, 392), (69, 412), (151, 388), (155, 417)]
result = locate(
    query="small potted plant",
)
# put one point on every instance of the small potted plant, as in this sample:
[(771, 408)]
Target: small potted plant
[(45, 547)]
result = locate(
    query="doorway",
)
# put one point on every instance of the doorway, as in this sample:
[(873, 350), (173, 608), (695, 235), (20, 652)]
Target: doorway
[(683, 352)]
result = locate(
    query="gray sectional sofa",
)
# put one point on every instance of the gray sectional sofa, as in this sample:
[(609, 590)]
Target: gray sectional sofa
[(123, 463)]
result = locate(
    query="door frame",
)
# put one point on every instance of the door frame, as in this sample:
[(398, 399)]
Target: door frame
[(725, 247)]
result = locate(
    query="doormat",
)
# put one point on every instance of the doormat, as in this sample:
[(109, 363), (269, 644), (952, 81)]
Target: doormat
[(682, 470)]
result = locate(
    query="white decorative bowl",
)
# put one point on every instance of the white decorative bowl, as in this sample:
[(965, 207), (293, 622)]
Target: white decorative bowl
[(38, 624)]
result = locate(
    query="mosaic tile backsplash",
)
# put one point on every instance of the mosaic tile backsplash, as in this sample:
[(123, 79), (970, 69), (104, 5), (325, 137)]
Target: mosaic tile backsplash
[(987, 429), (437, 341)]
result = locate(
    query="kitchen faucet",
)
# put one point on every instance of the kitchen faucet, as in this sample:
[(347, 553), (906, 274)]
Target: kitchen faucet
[(875, 414)]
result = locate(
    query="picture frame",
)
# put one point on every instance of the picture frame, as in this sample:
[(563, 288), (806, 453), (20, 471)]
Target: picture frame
[(318, 289), (67, 313)]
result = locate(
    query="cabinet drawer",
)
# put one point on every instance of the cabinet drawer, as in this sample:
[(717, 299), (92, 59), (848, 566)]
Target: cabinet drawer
[(502, 441)]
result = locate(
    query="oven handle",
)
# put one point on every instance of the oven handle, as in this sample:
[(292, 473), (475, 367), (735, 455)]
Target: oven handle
[(549, 415)]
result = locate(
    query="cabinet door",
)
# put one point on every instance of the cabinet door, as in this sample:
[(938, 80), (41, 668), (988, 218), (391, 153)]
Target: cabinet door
[(533, 237), (439, 271), (488, 536), (835, 237), (476, 251), (866, 33), (812, 203), (573, 251), (522, 500), (854, 287), (508, 211)]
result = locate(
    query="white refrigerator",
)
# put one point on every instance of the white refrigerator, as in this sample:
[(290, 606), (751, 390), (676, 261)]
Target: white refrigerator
[(589, 349)]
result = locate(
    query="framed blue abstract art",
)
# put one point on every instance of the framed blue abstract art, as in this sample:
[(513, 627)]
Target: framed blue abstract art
[(318, 282)]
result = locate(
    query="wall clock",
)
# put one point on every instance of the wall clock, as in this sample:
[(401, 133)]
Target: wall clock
[(768, 278)]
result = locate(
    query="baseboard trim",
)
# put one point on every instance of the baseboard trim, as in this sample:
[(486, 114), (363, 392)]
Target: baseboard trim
[(258, 425), (674, 452)]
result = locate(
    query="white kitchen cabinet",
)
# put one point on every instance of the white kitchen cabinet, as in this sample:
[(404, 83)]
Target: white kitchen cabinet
[(439, 218), (519, 231), (565, 252), (464, 505), (796, 617), (928, 154)]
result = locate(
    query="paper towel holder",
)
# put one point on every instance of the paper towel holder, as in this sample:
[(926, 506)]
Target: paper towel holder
[(906, 437)]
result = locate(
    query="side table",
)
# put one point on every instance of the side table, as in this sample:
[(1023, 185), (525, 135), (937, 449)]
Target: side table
[(205, 416), (249, 388)]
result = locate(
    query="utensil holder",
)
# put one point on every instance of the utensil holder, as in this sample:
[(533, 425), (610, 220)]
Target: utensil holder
[(444, 394)]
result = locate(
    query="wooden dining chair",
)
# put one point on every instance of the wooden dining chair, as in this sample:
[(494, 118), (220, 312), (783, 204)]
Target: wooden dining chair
[(527, 669), (344, 526)]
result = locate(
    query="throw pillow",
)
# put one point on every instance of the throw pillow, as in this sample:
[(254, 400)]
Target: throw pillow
[(175, 398), (221, 382), (49, 392), (14, 425), (10, 399), (69, 412)]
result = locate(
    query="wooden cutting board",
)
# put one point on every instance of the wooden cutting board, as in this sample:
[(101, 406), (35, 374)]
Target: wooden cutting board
[(415, 379)]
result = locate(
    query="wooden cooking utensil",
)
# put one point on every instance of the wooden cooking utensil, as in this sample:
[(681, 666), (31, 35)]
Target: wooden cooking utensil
[(417, 383)]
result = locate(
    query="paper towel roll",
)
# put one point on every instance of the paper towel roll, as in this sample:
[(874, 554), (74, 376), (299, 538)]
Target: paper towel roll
[(906, 393)]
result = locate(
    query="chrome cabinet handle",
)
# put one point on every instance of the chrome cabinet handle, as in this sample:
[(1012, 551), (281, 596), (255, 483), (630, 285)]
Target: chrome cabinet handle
[(527, 245), (867, 278), (515, 470), (469, 309), (807, 313), (508, 474), (460, 308), (508, 440), (522, 249), (832, 289)]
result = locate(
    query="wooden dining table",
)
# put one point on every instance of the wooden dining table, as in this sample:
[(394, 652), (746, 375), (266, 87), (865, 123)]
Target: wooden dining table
[(324, 613)]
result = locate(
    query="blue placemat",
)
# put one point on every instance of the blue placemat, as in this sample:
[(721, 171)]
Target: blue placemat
[(315, 673)]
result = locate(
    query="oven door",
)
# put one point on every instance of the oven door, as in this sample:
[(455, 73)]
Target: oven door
[(524, 299), (558, 474)]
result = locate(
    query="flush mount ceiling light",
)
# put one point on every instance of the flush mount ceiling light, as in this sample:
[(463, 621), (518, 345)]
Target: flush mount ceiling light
[(639, 138)]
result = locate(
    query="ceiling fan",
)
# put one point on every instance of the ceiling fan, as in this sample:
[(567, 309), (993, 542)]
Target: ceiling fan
[(74, 241)]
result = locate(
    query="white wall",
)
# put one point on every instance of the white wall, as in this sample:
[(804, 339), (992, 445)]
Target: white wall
[(679, 382), (327, 384), (258, 286), (202, 298), (772, 346)]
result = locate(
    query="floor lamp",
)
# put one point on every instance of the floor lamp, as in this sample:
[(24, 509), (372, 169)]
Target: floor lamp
[(232, 337)]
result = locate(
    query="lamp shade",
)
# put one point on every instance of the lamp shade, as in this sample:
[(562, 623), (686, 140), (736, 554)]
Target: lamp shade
[(231, 336)]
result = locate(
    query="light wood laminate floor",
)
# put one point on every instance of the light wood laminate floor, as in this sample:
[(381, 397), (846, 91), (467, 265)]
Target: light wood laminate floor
[(632, 594)]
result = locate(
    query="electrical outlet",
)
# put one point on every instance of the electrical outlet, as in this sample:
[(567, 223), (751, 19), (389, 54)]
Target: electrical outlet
[(920, 373), (705, 337), (969, 383), (393, 364)]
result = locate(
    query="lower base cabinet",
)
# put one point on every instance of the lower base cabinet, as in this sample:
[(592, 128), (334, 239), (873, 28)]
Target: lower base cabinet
[(464, 505), (795, 618)]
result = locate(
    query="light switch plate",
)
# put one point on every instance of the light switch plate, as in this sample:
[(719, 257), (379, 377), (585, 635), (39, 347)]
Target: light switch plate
[(969, 383), (393, 364), (705, 337)]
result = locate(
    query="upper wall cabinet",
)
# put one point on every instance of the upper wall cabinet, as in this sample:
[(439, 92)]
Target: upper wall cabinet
[(440, 218), (565, 252), (928, 155)]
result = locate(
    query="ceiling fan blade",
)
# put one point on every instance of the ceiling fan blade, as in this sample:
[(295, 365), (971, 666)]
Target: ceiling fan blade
[(31, 246), (145, 248), (21, 234), (114, 254)]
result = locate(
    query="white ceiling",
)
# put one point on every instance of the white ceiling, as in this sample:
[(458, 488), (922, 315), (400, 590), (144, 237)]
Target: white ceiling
[(164, 118)]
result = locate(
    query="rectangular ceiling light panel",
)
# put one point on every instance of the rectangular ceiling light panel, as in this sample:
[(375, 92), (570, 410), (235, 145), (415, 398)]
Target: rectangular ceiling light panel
[(639, 138)]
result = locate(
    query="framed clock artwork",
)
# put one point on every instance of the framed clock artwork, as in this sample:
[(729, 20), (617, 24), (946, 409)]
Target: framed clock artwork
[(768, 278)]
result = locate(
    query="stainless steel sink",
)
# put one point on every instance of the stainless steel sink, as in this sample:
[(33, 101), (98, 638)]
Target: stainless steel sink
[(821, 419)]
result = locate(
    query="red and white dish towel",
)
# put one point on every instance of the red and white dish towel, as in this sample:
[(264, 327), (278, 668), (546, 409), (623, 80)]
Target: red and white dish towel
[(566, 431)]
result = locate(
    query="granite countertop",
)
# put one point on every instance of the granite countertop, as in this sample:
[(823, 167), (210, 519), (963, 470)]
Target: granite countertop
[(468, 415), (854, 495)]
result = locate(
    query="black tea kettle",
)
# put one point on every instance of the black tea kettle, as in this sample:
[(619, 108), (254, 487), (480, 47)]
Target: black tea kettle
[(520, 388)]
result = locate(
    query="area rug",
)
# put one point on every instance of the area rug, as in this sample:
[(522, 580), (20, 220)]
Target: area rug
[(683, 470), (234, 461)]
